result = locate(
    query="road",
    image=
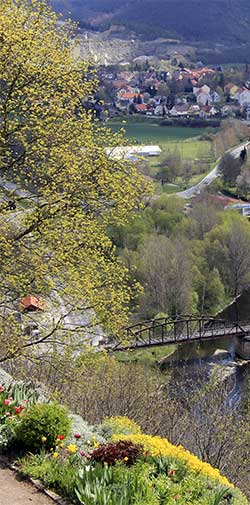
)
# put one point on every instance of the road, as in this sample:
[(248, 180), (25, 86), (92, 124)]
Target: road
[(195, 190)]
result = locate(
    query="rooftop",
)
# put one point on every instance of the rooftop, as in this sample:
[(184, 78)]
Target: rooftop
[(31, 302)]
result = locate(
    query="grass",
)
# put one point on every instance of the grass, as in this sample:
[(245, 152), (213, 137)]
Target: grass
[(191, 149), (149, 357), (186, 142), (153, 133), (170, 189)]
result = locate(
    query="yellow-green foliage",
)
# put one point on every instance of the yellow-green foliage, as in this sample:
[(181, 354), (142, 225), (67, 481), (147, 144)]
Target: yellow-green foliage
[(158, 446), (122, 425), (51, 146)]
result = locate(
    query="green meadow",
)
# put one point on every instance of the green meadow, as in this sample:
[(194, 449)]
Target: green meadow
[(188, 143), (187, 140)]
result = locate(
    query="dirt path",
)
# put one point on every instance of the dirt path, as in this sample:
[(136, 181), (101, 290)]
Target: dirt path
[(17, 492)]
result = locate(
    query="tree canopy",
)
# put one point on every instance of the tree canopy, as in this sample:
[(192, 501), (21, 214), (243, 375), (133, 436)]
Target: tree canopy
[(66, 189)]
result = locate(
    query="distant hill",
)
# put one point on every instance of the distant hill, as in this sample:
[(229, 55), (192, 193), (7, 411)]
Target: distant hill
[(209, 21)]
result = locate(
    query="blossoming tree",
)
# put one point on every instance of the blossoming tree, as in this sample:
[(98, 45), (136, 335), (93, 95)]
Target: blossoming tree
[(60, 190)]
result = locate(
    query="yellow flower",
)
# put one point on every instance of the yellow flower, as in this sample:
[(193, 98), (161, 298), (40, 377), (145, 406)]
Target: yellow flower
[(96, 445), (158, 446), (55, 455), (126, 458), (72, 448), (43, 439)]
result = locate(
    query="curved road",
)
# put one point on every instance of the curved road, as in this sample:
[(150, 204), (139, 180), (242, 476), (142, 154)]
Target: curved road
[(195, 190)]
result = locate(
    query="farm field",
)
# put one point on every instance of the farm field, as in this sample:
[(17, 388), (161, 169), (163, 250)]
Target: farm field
[(154, 133), (187, 143), (186, 140)]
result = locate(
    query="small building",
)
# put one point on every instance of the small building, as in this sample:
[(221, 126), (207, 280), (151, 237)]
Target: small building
[(31, 304), (243, 208), (132, 152), (141, 108)]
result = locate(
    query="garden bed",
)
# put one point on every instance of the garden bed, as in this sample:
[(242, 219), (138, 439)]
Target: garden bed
[(107, 464)]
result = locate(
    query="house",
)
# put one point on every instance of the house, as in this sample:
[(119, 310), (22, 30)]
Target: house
[(203, 89), (161, 110), (179, 110), (31, 303), (127, 97), (203, 98), (194, 110), (244, 98), (141, 107)]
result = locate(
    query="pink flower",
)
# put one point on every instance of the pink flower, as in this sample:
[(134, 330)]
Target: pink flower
[(2, 388), (8, 414), (83, 454), (77, 435), (7, 401)]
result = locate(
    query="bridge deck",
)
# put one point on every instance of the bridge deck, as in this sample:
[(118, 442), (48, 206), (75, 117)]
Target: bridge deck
[(168, 331)]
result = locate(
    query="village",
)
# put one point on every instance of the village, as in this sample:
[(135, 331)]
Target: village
[(181, 92)]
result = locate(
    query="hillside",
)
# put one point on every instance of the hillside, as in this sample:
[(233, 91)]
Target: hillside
[(196, 20)]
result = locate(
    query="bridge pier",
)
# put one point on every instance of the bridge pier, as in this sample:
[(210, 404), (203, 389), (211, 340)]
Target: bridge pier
[(242, 347)]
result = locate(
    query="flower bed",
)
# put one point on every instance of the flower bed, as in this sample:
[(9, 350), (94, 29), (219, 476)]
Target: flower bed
[(158, 446), (110, 464)]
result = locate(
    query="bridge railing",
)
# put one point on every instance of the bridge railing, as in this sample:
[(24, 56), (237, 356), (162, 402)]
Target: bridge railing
[(165, 331), (169, 329)]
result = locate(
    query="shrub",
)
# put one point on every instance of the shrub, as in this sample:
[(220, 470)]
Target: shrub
[(123, 450), (119, 424), (41, 424)]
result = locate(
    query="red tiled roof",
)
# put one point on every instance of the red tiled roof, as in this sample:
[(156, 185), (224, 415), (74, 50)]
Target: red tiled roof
[(141, 106), (31, 301), (128, 96)]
